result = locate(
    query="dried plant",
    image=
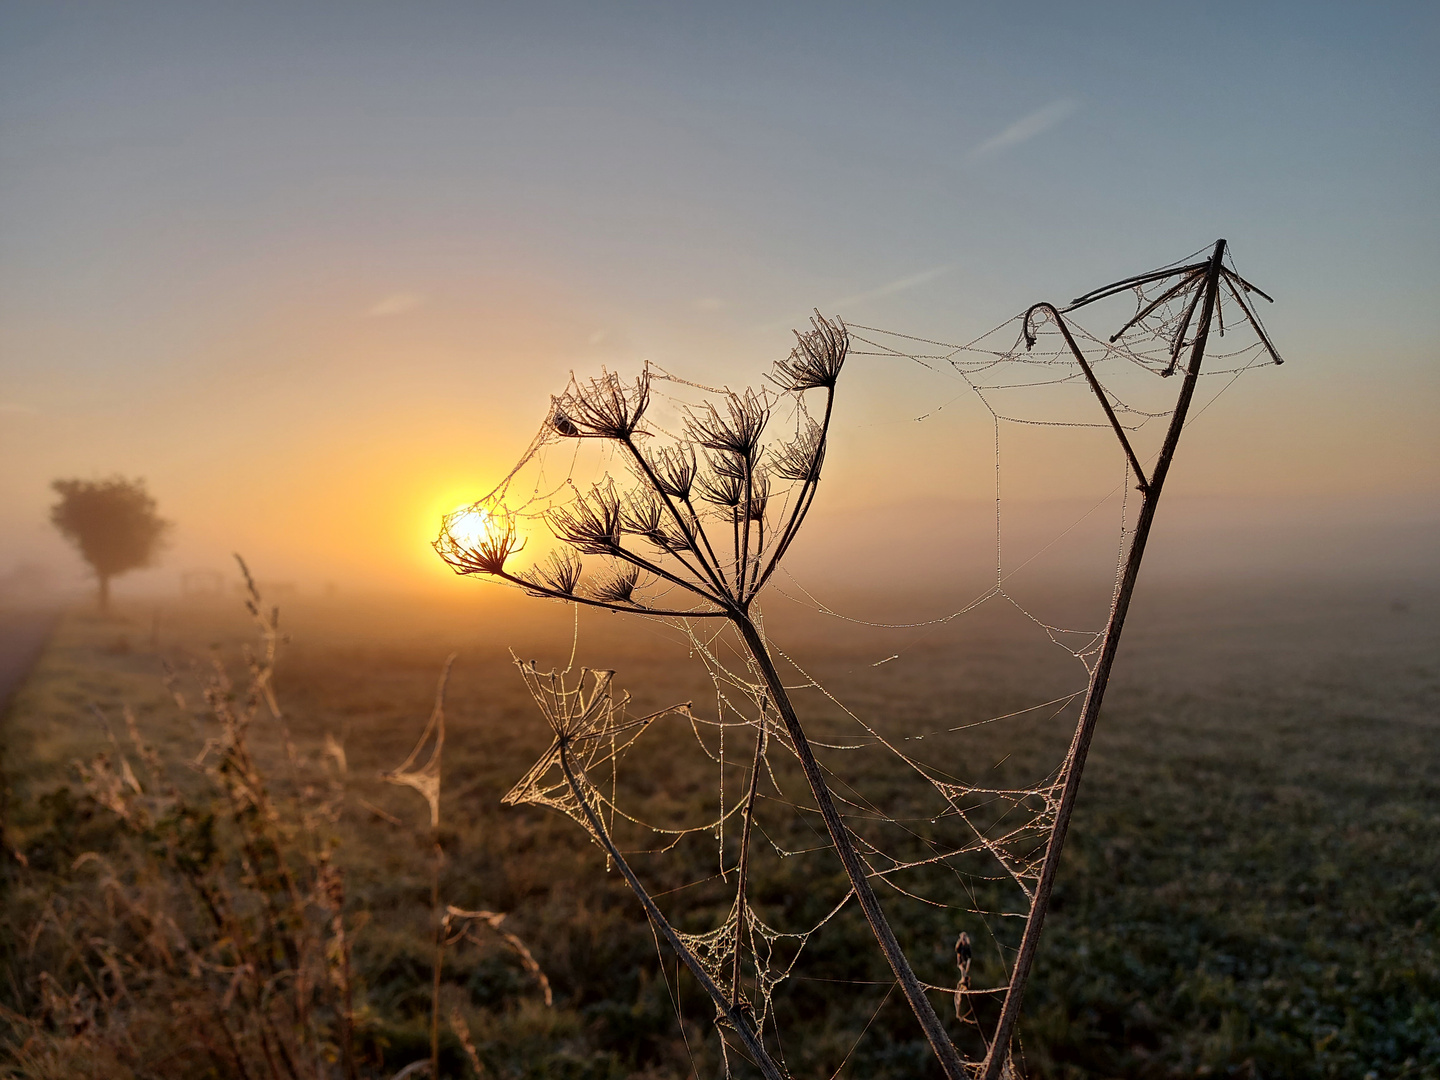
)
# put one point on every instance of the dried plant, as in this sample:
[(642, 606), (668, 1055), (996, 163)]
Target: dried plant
[(734, 474), (717, 510), (244, 911), (219, 924)]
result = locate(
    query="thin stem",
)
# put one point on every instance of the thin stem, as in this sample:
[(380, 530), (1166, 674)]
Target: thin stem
[(1085, 728), (439, 961), (715, 573), (683, 562), (1139, 279), (575, 598), (645, 564), (745, 854), (742, 554), (741, 1026), (1248, 286), (705, 539), (855, 868), (759, 554), (735, 549), (1180, 286), (806, 498), (1094, 385), (1250, 315), (1185, 324)]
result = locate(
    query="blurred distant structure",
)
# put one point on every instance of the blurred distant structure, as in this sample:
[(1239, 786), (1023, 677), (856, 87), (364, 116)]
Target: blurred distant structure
[(112, 522)]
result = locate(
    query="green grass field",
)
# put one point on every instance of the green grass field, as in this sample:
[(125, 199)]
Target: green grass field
[(1249, 888)]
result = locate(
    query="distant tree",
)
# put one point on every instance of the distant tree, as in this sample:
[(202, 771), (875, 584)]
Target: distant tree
[(112, 522)]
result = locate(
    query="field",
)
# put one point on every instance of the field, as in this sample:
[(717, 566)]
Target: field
[(1249, 887)]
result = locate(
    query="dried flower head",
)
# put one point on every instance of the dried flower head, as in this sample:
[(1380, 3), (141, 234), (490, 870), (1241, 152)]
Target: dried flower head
[(478, 539), (619, 587), (601, 408), (673, 468), (816, 360), (801, 458), (726, 464), (560, 575), (642, 513), (721, 489), (759, 497), (591, 523), (739, 432)]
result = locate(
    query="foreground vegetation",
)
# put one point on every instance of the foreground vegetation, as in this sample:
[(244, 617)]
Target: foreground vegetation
[(1249, 889)]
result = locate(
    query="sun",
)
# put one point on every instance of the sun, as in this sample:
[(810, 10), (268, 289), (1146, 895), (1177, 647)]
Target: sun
[(469, 526)]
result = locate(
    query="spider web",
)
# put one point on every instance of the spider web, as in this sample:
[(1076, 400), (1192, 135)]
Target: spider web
[(948, 845)]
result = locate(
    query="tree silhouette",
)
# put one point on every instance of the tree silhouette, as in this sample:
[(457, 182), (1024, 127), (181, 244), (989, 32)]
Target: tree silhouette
[(112, 522)]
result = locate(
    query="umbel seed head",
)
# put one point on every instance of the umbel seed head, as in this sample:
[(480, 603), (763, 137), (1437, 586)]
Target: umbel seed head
[(817, 358), (601, 408), (478, 539)]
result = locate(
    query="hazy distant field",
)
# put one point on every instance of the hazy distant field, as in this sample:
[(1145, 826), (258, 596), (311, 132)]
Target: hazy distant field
[(1249, 887)]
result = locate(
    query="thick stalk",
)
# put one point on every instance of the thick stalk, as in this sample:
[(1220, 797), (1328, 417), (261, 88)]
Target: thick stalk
[(1089, 714), (850, 859), (747, 1035)]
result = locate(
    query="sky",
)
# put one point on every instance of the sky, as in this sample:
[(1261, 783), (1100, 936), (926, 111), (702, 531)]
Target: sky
[(313, 270)]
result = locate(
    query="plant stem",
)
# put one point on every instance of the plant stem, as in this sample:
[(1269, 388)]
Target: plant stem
[(1085, 729), (850, 859), (745, 855), (438, 964), (742, 1028)]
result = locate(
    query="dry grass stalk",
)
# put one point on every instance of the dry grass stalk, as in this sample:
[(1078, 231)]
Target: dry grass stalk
[(233, 911), (450, 924), (212, 934)]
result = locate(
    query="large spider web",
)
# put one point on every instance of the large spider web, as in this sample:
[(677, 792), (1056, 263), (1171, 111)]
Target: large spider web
[(951, 842)]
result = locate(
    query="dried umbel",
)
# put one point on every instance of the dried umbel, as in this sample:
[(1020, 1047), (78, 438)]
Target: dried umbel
[(816, 360), (601, 408), (558, 577), (694, 517), (478, 539), (802, 457), (619, 587), (671, 469), (592, 523), (736, 434), (719, 509)]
